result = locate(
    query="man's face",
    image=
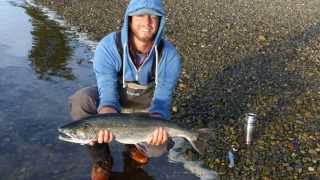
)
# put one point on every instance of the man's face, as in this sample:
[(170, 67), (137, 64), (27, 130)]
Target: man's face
[(144, 27)]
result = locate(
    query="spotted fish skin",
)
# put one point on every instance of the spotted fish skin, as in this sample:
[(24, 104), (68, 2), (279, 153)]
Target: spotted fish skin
[(126, 128)]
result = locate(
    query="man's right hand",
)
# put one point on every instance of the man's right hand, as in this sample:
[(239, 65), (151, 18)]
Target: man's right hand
[(104, 136), (105, 109)]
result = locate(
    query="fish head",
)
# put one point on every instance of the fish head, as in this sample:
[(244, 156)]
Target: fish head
[(77, 132)]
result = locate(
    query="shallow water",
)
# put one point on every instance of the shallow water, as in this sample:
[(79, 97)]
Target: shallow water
[(41, 65)]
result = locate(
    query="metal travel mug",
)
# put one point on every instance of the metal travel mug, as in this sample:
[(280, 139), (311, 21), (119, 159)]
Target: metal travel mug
[(249, 127)]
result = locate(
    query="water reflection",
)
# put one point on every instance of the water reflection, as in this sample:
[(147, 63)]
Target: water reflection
[(50, 50), (131, 171), (14, 41)]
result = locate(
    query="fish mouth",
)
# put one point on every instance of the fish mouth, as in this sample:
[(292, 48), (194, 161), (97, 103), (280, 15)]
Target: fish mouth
[(69, 138), (65, 137)]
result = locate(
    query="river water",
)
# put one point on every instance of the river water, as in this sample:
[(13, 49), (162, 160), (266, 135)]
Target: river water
[(41, 65)]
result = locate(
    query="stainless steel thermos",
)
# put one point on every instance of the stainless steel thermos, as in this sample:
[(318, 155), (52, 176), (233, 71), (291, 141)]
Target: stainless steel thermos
[(251, 119)]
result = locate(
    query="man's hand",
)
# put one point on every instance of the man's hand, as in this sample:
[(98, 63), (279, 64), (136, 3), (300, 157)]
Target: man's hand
[(158, 137), (104, 136), (106, 109)]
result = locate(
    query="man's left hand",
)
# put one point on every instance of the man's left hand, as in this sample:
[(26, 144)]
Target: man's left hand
[(158, 137)]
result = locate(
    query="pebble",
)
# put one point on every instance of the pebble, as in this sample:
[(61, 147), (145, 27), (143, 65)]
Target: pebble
[(290, 168), (306, 159), (314, 161), (181, 85), (285, 164), (261, 38), (204, 30), (311, 151), (175, 109), (311, 169)]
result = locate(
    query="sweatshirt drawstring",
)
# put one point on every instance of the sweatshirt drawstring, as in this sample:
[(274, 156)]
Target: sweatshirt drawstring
[(157, 61), (124, 65)]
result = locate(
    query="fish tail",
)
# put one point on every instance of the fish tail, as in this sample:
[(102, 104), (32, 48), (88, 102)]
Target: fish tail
[(195, 147), (192, 140)]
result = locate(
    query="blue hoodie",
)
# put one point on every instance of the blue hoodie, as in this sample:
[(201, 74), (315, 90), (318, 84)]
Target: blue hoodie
[(108, 64)]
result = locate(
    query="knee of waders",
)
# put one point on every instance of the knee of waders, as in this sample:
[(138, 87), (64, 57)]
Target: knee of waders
[(82, 104)]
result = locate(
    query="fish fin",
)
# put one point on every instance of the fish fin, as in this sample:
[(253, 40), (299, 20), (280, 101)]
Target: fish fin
[(205, 130), (195, 147), (141, 147), (193, 144), (202, 135)]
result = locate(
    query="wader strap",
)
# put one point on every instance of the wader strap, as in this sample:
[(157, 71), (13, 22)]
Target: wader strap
[(119, 45)]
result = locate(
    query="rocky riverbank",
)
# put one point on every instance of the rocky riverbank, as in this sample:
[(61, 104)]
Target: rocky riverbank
[(238, 57)]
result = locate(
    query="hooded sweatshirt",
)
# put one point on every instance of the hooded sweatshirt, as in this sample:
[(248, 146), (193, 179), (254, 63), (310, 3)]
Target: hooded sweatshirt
[(108, 64)]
